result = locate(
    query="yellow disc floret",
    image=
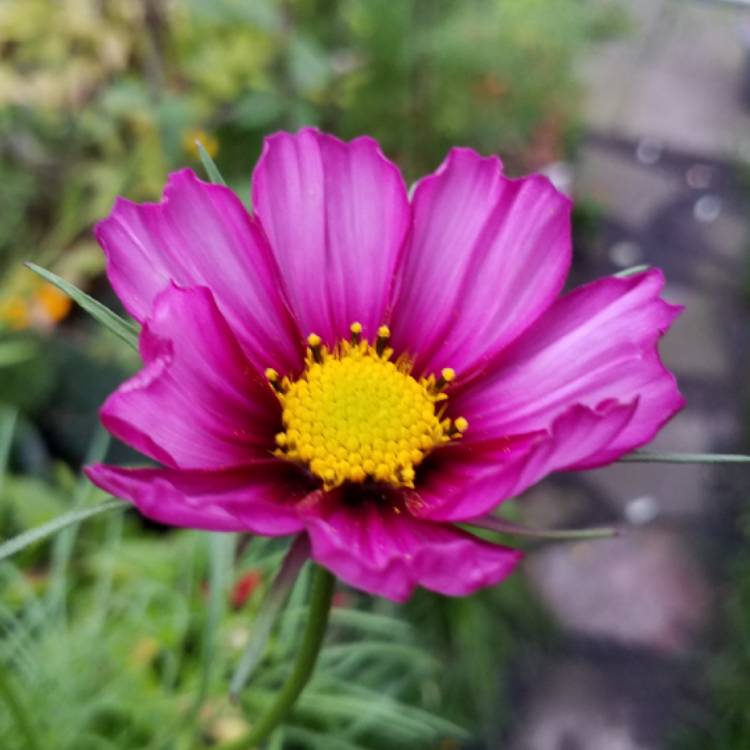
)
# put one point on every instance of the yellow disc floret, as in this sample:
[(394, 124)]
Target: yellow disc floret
[(354, 415)]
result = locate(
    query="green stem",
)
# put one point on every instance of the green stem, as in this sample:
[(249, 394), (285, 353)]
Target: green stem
[(18, 711), (317, 620)]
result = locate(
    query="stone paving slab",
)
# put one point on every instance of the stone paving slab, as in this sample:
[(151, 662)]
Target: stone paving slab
[(664, 106), (642, 589), (675, 76)]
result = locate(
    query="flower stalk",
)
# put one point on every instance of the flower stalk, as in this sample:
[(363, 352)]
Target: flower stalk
[(320, 607)]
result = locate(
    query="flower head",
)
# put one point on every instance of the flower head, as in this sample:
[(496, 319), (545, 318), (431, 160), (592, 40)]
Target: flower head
[(366, 369)]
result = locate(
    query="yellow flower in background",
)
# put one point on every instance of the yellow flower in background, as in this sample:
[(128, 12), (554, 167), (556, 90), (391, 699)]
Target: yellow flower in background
[(53, 303), (29, 302), (210, 142)]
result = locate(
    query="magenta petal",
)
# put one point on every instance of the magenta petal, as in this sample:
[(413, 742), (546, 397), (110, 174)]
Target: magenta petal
[(260, 499), (373, 547), (597, 343), (197, 403), (201, 235), (336, 215), (487, 256), (471, 480)]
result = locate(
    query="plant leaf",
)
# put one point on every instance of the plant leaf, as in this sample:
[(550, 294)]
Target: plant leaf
[(685, 458), (27, 538), (264, 622), (209, 165), (493, 523), (122, 328), (631, 271)]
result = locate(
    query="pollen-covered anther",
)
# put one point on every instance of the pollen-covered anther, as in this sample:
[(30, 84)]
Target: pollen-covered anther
[(381, 343), (355, 415), (314, 344), (274, 380), (447, 375)]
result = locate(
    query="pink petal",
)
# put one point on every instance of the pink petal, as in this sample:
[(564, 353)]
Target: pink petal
[(259, 499), (201, 235), (336, 215), (594, 344), (375, 545), (197, 403), (472, 480), (487, 256)]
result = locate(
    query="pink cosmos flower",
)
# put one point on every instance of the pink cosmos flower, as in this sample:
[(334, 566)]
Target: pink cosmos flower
[(367, 369)]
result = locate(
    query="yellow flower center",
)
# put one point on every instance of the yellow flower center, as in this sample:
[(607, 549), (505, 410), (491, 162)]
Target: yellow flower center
[(355, 415)]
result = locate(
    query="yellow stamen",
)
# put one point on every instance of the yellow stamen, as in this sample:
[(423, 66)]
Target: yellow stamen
[(461, 424), (447, 374), (381, 344), (273, 378), (314, 342), (354, 415)]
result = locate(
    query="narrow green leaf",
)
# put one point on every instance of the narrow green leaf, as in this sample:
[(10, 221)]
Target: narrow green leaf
[(631, 271), (685, 458), (392, 715), (122, 328), (17, 543), (209, 165), (492, 523), (264, 622)]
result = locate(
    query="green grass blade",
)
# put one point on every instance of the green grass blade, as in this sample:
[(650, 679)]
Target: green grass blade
[(32, 536), (122, 328), (209, 165)]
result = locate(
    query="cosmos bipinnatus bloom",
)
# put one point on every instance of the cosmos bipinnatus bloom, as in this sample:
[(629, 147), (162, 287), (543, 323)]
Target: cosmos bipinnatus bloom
[(368, 369)]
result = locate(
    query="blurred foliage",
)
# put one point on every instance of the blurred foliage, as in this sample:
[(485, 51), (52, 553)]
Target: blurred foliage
[(110, 96), (104, 97), (121, 634), (476, 640), (118, 637)]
